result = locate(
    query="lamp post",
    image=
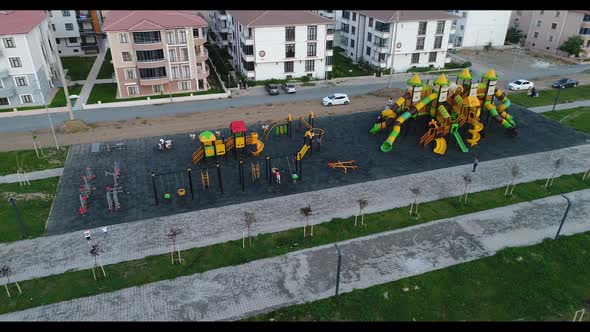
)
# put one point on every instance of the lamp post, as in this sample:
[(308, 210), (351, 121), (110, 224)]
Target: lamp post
[(20, 221), (556, 98), (392, 53), (48, 115)]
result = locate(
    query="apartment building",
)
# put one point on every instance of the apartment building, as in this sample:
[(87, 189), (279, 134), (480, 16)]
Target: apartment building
[(548, 29), (27, 62), (521, 19), (478, 28), (157, 52), (279, 44), (219, 25), (76, 31), (419, 38)]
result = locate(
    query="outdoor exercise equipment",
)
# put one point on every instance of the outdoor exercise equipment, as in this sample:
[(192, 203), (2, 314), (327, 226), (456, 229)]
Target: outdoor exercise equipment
[(450, 106), (113, 198), (344, 165), (255, 171)]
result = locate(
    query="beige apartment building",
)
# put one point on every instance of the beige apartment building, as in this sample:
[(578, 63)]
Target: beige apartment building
[(157, 52)]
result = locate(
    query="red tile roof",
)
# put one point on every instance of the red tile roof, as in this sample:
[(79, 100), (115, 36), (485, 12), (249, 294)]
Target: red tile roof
[(261, 18), (143, 20), (14, 22)]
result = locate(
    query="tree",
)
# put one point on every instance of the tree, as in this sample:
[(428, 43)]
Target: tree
[(515, 171), (306, 212), (466, 181), (174, 232), (6, 272), (514, 35), (572, 46), (95, 250), (556, 164), (249, 220), (362, 205), (416, 193)]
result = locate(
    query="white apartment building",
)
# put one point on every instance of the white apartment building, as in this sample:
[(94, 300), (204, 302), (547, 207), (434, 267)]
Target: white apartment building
[(27, 61), (277, 44), (419, 38), (76, 31), (478, 28)]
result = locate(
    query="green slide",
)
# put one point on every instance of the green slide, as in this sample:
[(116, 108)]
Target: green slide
[(455, 132)]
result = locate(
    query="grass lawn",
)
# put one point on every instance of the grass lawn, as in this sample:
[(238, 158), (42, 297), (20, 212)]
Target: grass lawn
[(577, 118), (107, 92), (342, 66), (33, 202), (29, 161), (78, 66), (547, 97), (547, 281), (106, 70), (59, 100), (77, 284)]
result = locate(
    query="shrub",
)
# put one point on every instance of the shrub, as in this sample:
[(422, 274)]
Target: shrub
[(466, 64)]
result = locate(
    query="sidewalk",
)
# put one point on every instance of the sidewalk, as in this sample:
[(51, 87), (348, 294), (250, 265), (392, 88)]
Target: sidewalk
[(548, 108), (91, 79), (48, 173), (134, 240), (236, 292)]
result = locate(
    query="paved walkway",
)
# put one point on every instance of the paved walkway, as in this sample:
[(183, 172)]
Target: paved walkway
[(543, 109), (91, 79), (56, 254), (236, 292), (37, 175)]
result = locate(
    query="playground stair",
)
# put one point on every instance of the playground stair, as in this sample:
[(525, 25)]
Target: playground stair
[(198, 155)]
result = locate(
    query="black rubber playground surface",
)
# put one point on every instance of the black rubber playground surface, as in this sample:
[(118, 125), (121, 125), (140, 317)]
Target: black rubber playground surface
[(346, 137)]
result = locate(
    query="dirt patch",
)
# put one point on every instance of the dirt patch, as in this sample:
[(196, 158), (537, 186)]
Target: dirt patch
[(387, 93), (72, 126), (27, 196)]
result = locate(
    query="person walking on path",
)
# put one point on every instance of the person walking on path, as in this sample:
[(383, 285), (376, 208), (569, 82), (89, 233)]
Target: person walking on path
[(105, 230), (475, 163)]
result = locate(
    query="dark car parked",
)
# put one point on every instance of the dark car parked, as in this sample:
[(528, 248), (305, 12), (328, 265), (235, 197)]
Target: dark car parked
[(564, 83), (272, 89)]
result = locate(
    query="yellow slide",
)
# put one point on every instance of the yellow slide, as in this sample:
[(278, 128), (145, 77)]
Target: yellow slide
[(475, 136), (302, 152), (259, 148), (441, 146)]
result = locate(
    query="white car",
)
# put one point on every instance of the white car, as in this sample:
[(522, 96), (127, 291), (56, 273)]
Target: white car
[(520, 85), (336, 99), (289, 88)]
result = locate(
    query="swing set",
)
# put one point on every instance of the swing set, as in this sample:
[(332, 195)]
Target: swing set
[(179, 187)]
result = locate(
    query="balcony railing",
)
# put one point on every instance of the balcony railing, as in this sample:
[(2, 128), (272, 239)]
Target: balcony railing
[(289, 55), (83, 16), (89, 45), (330, 31), (87, 31)]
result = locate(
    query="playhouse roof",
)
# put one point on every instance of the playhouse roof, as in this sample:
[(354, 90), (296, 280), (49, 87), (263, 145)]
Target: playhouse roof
[(441, 80), (472, 101), (465, 75), (237, 126), (206, 137), (490, 75), (415, 81)]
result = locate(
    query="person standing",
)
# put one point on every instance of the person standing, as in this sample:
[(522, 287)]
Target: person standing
[(475, 163)]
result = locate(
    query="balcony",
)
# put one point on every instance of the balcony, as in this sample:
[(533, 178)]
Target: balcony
[(3, 73), (382, 48), (149, 46), (382, 34), (203, 56), (329, 52), (222, 15), (328, 67), (152, 63), (203, 73), (199, 40), (330, 36), (7, 92), (89, 45), (83, 16), (154, 80), (86, 31)]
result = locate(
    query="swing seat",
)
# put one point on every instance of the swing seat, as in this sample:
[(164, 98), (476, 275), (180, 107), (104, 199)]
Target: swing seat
[(181, 192), (167, 196)]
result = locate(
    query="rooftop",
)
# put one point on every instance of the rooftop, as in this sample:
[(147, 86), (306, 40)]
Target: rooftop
[(143, 20), (14, 22), (406, 15), (262, 18)]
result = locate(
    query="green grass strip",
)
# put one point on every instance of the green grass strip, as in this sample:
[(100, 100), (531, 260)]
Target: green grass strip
[(29, 162), (76, 284), (547, 97), (577, 118)]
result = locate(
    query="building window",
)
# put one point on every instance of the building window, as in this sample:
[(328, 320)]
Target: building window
[(53, 27), (370, 22), (550, 38), (176, 71), (311, 49), (186, 71), (170, 37), (438, 42), (586, 18), (536, 34), (184, 54), (65, 13), (541, 12), (146, 56), (464, 14), (369, 36), (345, 27), (312, 32), (432, 57), (519, 12), (126, 56), (309, 65), (9, 42), (57, 41), (69, 26), (195, 33), (354, 17), (152, 73), (21, 81), (346, 14), (132, 90), (157, 88), (381, 57), (557, 13), (329, 44), (130, 73), (328, 61), (422, 28), (352, 43), (368, 51), (352, 30), (26, 99), (147, 37), (290, 34), (73, 40), (415, 57), (289, 66), (461, 27), (123, 38), (182, 36), (4, 101), (290, 51), (539, 23), (420, 43), (553, 26), (440, 27), (15, 62), (186, 85)]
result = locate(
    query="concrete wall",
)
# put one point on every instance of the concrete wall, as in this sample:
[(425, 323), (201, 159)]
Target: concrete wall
[(484, 26), (568, 24)]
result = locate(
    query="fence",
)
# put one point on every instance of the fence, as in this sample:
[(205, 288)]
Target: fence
[(158, 101)]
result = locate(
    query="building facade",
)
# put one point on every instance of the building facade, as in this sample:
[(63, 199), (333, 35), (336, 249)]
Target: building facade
[(278, 44), (157, 52), (76, 31), (478, 28), (27, 63), (404, 39)]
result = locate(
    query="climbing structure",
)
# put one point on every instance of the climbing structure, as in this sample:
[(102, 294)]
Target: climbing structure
[(452, 107)]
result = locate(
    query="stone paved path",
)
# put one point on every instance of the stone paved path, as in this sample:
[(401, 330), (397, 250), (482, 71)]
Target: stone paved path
[(56, 254), (264, 285), (37, 175), (91, 79), (542, 109)]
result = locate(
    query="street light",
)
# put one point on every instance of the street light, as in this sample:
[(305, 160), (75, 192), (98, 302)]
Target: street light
[(20, 221), (48, 115), (392, 53)]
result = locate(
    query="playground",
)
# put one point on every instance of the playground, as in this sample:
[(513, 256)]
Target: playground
[(114, 182)]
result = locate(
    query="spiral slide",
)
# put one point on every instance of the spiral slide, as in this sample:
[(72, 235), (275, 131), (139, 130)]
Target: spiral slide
[(390, 114), (474, 131)]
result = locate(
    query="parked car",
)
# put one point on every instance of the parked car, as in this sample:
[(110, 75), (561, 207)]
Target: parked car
[(564, 83), (272, 89), (336, 99), (289, 88), (520, 85)]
